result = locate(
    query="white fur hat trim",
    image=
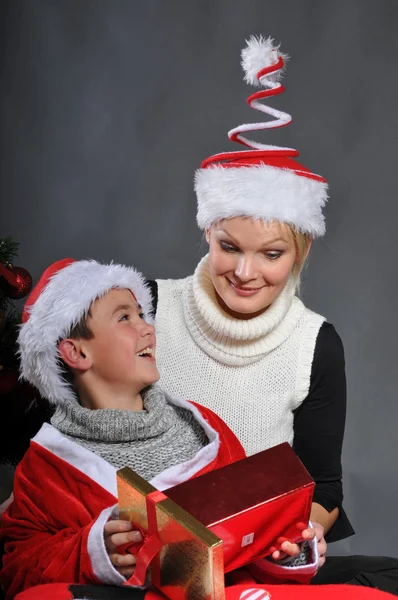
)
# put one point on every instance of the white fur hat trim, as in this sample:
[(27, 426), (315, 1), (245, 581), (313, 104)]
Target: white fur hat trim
[(260, 192)]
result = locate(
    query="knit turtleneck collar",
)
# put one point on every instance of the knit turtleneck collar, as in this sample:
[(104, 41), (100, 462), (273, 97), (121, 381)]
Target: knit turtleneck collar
[(113, 425), (236, 341)]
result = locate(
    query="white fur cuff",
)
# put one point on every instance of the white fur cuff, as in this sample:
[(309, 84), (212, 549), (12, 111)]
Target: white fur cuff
[(100, 562)]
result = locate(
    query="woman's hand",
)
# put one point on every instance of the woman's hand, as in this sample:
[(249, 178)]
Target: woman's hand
[(290, 549), (322, 545), (119, 533)]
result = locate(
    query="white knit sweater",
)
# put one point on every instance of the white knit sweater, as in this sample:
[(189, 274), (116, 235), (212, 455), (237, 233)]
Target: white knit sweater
[(253, 373)]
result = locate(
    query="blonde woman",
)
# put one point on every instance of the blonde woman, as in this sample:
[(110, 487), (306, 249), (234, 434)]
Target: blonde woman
[(234, 336)]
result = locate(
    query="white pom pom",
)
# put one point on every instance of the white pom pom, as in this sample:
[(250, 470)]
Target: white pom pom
[(259, 54)]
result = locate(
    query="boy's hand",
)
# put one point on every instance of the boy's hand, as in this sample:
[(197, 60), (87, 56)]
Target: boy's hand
[(119, 533)]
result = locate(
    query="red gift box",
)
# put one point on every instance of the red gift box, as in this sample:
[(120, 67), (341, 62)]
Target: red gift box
[(217, 522), (253, 505), (185, 558)]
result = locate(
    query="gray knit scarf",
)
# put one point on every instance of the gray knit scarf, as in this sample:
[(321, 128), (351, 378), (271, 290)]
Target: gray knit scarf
[(149, 441)]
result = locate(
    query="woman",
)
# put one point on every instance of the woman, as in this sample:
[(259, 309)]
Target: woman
[(234, 336), (261, 359)]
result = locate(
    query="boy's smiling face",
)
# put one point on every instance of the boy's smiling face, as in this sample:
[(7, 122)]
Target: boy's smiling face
[(122, 351)]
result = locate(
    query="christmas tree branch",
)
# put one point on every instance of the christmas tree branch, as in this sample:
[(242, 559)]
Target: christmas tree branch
[(8, 249)]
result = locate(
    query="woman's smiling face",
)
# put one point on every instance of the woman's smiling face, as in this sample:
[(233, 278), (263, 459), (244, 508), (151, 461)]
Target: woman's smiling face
[(250, 263)]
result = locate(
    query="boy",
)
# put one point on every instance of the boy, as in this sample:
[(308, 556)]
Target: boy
[(85, 343), (88, 346)]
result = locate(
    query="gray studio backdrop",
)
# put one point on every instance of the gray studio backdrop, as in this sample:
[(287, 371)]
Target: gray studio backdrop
[(108, 106)]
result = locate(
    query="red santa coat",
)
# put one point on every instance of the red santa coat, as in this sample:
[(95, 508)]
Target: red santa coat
[(63, 496)]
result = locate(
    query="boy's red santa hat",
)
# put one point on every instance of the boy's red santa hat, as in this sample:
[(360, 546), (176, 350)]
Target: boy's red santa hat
[(265, 182), (61, 298)]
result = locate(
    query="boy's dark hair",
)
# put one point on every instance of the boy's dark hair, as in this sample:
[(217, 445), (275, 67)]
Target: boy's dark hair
[(81, 331)]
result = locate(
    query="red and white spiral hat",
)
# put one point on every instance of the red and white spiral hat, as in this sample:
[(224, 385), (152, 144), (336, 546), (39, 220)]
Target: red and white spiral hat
[(264, 182)]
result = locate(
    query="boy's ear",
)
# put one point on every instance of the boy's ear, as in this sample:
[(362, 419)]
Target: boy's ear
[(72, 354)]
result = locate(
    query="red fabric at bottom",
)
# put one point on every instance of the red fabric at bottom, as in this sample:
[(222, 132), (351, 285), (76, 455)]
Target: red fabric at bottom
[(248, 591), (304, 592), (60, 591), (49, 591)]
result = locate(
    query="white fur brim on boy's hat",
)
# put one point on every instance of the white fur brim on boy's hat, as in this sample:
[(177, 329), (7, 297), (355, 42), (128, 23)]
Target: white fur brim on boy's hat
[(264, 181), (61, 298)]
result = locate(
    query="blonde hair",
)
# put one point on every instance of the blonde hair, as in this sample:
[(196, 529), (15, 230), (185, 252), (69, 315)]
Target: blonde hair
[(302, 242)]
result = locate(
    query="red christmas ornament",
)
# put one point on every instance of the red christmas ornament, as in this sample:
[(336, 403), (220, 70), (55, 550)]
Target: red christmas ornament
[(16, 282)]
